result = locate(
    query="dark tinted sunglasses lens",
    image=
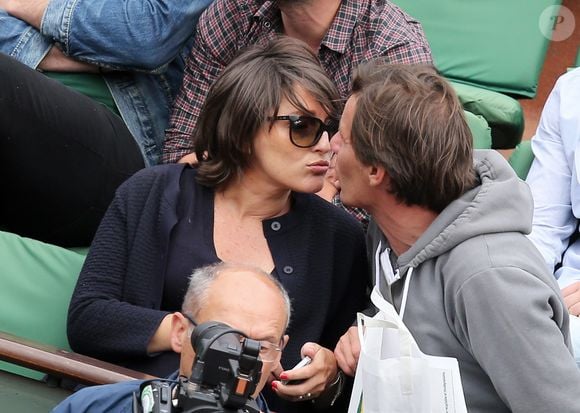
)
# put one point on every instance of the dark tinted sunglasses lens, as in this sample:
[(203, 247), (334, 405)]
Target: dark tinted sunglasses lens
[(304, 131), (332, 128)]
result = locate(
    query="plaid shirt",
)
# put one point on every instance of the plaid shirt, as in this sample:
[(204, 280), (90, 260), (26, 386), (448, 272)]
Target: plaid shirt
[(361, 31)]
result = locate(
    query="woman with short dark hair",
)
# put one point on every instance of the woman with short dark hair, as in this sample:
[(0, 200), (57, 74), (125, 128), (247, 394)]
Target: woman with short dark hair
[(263, 145)]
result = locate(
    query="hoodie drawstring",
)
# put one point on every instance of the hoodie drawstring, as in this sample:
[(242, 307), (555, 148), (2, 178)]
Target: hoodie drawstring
[(405, 292)]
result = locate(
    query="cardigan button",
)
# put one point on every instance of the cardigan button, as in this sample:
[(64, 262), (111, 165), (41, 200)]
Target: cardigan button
[(275, 226), (288, 269)]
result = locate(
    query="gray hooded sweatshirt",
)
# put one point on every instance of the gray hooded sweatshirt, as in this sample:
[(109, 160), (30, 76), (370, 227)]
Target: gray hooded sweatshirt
[(480, 292)]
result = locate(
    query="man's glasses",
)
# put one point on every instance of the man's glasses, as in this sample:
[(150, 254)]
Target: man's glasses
[(306, 131), (269, 352)]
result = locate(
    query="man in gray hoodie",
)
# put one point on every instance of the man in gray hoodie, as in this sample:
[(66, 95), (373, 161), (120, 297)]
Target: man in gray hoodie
[(480, 292)]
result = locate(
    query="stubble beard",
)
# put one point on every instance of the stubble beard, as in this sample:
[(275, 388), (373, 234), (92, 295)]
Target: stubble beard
[(291, 3)]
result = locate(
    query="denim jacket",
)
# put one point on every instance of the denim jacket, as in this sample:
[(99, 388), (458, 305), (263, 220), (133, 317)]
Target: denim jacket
[(144, 43)]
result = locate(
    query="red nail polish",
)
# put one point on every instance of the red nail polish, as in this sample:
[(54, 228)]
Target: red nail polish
[(283, 376), (274, 385)]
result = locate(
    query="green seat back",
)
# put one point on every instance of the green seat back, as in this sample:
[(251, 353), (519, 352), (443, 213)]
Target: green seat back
[(480, 131), (496, 44), (521, 159), (503, 113), (37, 281)]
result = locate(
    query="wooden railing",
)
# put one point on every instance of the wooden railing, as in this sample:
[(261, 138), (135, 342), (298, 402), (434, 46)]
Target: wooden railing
[(63, 363)]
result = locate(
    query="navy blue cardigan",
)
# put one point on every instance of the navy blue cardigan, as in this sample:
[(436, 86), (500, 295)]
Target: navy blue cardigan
[(116, 305)]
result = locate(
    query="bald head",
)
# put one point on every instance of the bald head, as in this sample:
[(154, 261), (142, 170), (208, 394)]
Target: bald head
[(227, 287)]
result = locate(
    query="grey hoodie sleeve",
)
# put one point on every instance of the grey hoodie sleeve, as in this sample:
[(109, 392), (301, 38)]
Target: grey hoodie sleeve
[(516, 326)]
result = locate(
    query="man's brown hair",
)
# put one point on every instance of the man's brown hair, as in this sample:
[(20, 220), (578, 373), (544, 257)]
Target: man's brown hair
[(246, 94), (409, 121)]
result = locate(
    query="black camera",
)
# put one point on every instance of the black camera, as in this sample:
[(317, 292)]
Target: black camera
[(225, 373)]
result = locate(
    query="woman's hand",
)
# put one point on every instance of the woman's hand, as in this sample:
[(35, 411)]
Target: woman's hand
[(317, 375)]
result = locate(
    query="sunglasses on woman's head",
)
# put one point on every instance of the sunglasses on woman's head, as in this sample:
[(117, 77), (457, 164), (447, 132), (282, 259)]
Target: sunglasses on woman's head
[(306, 131)]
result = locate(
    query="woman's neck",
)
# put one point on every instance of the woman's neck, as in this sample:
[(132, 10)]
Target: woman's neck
[(248, 198)]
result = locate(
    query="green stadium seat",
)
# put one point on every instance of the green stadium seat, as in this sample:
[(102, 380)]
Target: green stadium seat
[(495, 44), (37, 282), (521, 159), (480, 130), (492, 45), (503, 114)]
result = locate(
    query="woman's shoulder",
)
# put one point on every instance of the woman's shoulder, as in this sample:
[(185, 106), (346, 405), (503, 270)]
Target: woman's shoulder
[(156, 186), (153, 173), (152, 177)]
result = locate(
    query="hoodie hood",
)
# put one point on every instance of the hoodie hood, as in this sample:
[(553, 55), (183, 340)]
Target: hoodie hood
[(500, 203)]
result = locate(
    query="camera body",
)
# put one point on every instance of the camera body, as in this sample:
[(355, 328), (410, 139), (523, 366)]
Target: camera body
[(153, 396), (225, 374)]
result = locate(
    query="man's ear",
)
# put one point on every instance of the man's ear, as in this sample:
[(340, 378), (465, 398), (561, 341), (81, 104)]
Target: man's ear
[(285, 341), (179, 331), (377, 175)]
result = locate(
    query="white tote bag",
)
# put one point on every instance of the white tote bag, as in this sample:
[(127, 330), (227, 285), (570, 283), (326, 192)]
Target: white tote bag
[(393, 375)]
